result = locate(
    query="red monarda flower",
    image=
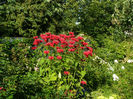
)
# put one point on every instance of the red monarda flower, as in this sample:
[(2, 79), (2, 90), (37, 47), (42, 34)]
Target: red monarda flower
[(89, 48), (59, 57), (1, 88), (35, 42), (80, 38), (57, 47), (71, 36), (62, 40), (83, 82), (51, 57), (40, 41), (71, 42), (48, 33), (75, 39), (71, 45), (62, 35), (82, 47), (57, 37), (63, 46), (71, 50), (33, 48), (46, 52), (67, 37), (55, 42), (66, 72), (84, 43), (49, 44), (35, 37), (71, 33), (60, 50), (86, 53)]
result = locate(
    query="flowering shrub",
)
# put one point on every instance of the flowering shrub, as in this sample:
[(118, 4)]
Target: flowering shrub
[(65, 63)]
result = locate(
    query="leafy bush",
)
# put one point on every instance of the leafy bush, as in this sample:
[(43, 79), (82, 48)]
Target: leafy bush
[(67, 64), (112, 50), (96, 18), (51, 72), (27, 18), (14, 58), (122, 19), (124, 86)]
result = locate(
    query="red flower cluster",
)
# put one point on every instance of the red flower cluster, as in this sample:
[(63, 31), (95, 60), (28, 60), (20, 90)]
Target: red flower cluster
[(84, 43), (33, 48), (61, 41), (71, 45), (59, 57), (35, 37), (86, 53), (51, 57), (83, 82), (60, 50), (37, 41), (71, 50), (57, 43), (46, 52), (1, 88), (89, 48), (66, 72)]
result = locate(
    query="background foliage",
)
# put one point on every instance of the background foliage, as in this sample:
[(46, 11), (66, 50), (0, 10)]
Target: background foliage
[(106, 24)]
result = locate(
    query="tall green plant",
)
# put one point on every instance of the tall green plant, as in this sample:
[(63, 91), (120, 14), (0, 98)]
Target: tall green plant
[(96, 17), (123, 19), (27, 18)]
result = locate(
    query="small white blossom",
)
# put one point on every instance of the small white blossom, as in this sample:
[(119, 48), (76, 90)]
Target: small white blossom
[(77, 23), (130, 61), (111, 97), (115, 77), (36, 68), (122, 67), (59, 75), (116, 61), (111, 68)]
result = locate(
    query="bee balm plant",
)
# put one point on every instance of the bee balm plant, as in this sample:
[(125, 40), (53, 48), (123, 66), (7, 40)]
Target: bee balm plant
[(64, 55)]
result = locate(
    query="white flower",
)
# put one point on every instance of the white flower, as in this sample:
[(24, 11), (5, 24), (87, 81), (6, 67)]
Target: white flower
[(111, 68), (36, 68), (59, 75), (115, 77), (116, 61), (111, 97), (122, 67), (77, 23), (101, 97), (130, 61)]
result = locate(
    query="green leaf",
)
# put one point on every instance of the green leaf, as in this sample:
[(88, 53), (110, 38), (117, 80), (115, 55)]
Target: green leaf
[(53, 77), (83, 73), (41, 71), (41, 61)]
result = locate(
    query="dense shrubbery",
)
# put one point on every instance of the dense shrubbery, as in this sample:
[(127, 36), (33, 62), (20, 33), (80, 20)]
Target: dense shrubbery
[(96, 18), (122, 19), (44, 71), (55, 65), (14, 58), (27, 18)]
